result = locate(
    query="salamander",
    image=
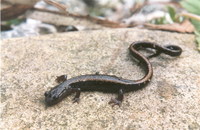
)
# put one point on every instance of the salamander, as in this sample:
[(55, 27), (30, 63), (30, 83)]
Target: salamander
[(109, 83)]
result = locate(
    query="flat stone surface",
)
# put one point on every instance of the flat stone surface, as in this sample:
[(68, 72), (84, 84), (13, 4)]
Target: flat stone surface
[(30, 65)]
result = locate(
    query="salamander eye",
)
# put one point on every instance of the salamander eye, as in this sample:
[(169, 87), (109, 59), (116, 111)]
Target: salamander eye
[(173, 47), (46, 93), (55, 97)]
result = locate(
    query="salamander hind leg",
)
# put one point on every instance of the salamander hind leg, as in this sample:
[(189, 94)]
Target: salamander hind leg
[(61, 78), (118, 100), (157, 53)]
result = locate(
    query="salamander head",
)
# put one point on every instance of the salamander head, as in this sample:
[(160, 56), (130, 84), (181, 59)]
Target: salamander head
[(174, 50), (56, 94)]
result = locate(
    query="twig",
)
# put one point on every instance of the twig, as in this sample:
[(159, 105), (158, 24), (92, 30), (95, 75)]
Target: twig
[(61, 7), (190, 15), (103, 22)]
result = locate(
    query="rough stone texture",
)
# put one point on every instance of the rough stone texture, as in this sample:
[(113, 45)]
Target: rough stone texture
[(30, 65)]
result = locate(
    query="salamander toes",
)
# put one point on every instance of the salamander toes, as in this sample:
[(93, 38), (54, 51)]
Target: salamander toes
[(114, 102), (76, 100)]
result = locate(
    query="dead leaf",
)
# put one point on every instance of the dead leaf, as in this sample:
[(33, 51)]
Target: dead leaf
[(21, 2), (10, 11), (184, 27)]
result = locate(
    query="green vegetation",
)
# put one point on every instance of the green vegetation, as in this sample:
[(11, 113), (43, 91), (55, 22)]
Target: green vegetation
[(14, 22), (193, 6), (173, 15)]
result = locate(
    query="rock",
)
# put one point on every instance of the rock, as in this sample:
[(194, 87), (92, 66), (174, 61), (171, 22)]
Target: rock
[(30, 65)]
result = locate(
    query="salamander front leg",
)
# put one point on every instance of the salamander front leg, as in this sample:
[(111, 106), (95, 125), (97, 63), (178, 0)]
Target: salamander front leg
[(61, 78), (77, 96), (118, 100)]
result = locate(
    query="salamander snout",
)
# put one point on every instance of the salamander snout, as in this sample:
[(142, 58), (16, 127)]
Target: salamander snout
[(51, 98)]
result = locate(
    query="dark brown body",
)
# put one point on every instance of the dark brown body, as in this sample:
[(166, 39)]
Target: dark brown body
[(109, 83)]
